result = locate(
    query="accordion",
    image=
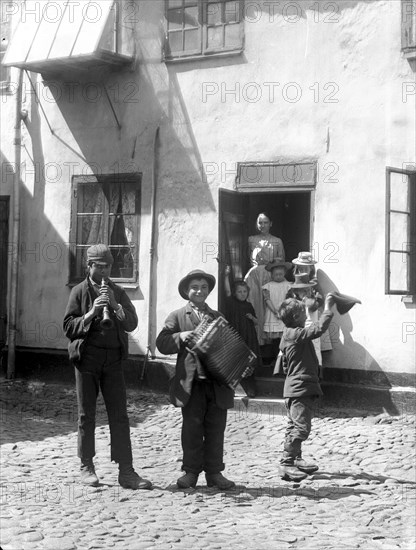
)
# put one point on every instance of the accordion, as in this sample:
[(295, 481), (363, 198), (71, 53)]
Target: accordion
[(222, 351)]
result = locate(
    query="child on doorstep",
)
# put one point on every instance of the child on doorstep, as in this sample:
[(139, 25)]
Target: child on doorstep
[(274, 293), (305, 265), (240, 314), (301, 388)]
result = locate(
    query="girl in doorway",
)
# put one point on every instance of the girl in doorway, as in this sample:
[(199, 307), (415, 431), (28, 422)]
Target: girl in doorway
[(240, 314), (274, 292)]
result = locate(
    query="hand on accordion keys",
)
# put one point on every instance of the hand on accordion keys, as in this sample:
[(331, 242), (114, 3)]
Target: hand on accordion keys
[(249, 371), (186, 336)]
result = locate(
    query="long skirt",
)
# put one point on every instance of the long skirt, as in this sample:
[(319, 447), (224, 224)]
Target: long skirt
[(256, 277)]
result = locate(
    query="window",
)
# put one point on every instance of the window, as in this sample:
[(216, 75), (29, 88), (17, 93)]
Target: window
[(400, 231), (6, 10), (409, 28), (203, 27), (106, 209)]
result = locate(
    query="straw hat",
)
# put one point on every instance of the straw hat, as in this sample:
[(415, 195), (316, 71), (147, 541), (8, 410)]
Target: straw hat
[(302, 281), (278, 262), (304, 258)]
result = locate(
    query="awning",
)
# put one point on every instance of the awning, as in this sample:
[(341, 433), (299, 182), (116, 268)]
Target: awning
[(61, 34)]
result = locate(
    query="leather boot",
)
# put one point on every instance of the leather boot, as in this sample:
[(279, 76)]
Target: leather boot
[(129, 479), (88, 475), (218, 480)]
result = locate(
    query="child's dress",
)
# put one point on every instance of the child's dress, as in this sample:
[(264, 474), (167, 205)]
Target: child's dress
[(273, 326), (236, 315)]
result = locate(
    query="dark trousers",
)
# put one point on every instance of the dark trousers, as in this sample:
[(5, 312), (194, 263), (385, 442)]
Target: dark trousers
[(300, 411), (203, 426), (101, 368)]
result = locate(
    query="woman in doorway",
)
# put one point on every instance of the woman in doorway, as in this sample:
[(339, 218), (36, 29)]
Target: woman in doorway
[(263, 248)]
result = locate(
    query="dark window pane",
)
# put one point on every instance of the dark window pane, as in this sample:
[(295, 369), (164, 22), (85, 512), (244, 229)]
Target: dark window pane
[(214, 13), (399, 191), (232, 12), (192, 40), (399, 231), (191, 17), (175, 41), (123, 266), (79, 265), (90, 198), (399, 269), (175, 19), (215, 38), (233, 37), (90, 229)]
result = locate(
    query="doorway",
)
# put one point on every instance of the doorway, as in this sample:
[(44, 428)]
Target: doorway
[(4, 235), (289, 211)]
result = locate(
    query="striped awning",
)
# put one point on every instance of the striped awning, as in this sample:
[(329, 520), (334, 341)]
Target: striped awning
[(57, 34)]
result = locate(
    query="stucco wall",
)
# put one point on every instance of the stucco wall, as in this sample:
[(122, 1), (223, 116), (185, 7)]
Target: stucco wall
[(325, 85)]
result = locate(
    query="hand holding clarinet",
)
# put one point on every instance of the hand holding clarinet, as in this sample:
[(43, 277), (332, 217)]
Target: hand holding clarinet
[(102, 306)]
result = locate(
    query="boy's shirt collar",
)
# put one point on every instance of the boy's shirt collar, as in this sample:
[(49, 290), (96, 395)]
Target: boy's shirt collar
[(200, 312), (94, 285)]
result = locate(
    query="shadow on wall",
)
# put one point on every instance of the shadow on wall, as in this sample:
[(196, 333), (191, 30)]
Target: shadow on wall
[(112, 117), (350, 363), (346, 352), (43, 257)]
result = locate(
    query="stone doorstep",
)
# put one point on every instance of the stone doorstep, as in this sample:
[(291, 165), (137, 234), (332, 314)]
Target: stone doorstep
[(394, 400)]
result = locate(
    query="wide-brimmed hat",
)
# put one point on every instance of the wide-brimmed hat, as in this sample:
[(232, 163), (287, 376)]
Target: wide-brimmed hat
[(344, 302), (278, 262), (196, 274), (302, 281), (304, 258), (99, 253)]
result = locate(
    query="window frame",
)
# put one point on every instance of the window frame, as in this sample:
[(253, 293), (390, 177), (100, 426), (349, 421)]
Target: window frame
[(204, 51), (6, 26), (411, 233), (408, 28), (101, 180)]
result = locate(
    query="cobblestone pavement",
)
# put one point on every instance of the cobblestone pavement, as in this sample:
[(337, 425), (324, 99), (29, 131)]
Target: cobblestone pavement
[(362, 497)]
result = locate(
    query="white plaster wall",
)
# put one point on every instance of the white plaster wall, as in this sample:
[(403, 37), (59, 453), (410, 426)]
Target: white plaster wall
[(368, 128)]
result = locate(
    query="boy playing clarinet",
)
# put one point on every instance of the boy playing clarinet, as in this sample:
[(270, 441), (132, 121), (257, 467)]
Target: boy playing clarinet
[(96, 351), (203, 401)]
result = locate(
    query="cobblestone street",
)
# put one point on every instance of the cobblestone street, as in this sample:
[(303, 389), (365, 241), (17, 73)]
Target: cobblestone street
[(363, 496)]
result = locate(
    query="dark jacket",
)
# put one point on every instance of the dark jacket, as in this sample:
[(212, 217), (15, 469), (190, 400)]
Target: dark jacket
[(80, 302), (300, 361), (169, 342)]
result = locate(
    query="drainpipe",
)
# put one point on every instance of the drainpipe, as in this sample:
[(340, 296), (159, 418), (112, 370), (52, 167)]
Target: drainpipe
[(15, 237), (150, 352)]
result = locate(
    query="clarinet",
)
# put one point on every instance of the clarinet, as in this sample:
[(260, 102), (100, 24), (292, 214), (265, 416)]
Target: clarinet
[(106, 322)]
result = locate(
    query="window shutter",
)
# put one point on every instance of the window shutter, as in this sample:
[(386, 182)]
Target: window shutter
[(400, 238), (408, 24)]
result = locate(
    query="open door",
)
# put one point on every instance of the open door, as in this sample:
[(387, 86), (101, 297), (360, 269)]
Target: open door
[(4, 232), (233, 238)]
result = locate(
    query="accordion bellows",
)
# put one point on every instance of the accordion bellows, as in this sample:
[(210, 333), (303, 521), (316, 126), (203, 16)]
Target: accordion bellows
[(222, 351)]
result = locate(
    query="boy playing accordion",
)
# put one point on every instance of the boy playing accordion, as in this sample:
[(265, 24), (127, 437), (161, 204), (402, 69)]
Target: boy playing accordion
[(204, 402)]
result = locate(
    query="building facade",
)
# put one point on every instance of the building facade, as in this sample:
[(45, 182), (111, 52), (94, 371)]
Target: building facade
[(164, 127)]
